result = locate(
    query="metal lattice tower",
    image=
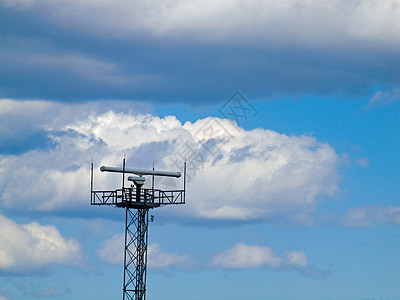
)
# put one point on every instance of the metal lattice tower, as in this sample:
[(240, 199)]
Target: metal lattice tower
[(137, 202)]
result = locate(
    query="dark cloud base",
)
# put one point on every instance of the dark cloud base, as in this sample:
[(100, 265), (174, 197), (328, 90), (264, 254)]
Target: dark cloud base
[(17, 137), (177, 70)]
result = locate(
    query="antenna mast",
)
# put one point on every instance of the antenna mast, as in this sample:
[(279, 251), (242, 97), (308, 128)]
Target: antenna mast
[(137, 201)]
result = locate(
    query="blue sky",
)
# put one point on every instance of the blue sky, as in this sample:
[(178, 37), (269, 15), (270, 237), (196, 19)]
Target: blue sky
[(297, 199)]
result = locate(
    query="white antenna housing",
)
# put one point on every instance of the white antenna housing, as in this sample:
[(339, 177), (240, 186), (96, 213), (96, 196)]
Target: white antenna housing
[(137, 179)]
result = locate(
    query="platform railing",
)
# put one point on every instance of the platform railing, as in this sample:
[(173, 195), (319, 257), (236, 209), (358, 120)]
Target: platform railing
[(153, 197)]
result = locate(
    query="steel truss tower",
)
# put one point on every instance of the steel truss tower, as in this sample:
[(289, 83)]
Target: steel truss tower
[(137, 202), (135, 257)]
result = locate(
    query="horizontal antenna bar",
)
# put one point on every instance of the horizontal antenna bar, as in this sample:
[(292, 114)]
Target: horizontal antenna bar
[(140, 172)]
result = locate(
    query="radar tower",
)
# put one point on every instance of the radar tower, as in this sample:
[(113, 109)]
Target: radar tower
[(137, 201)]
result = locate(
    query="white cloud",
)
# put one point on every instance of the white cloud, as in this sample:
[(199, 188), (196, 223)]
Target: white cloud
[(372, 215), (311, 22), (243, 256), (251, 174), (384, 97), (234, 173), (156, 257), (32, 247), (111, 251), (363, 162), (296, 258), (53, 116), (56, 177), (261, 174), (24, 108), (161, 259)]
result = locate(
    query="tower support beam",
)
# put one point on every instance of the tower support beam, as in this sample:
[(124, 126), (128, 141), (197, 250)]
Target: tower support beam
[(135, 255)]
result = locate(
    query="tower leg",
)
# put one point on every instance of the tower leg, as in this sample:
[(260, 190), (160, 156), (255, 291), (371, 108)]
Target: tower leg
[(135, 256)]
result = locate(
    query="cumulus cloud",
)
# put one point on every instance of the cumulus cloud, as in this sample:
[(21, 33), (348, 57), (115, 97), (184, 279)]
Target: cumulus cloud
[(108, 251), (160, 259), (54, 175), (243, 256), (157, 258), (19, 120), (32, 247), (233, 173), (372, 215), (258, 173), (281, 22)]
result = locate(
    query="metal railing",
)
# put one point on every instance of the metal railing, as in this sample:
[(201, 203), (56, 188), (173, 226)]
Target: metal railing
[(125, 196)]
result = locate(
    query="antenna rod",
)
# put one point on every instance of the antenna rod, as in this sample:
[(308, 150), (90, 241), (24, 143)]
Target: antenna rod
[(123, 177), (91, 182), (152, 180), (184, 182)]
